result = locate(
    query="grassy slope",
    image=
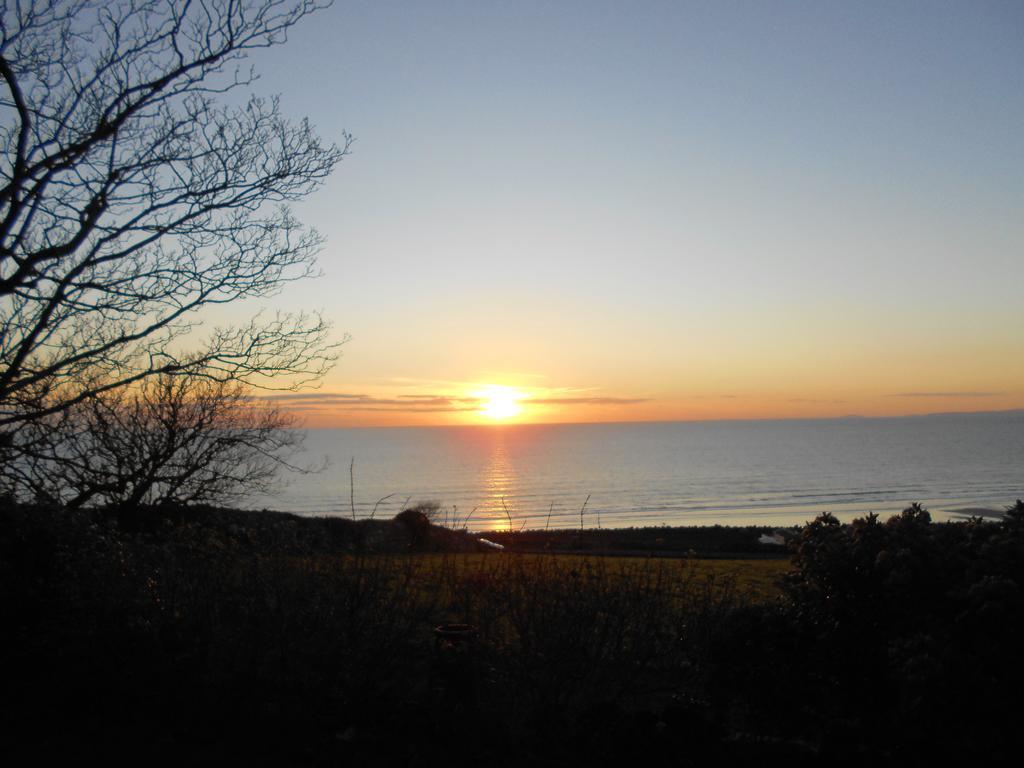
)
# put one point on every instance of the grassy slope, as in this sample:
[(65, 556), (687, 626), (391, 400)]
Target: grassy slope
[(206, 636), (753, 579)]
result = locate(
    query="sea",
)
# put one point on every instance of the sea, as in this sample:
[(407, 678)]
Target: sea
[(765, 472)]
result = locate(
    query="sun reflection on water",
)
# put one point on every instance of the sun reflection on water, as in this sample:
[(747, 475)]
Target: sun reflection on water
[(500, 484)]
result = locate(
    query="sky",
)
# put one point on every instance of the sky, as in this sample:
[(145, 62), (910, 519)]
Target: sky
[(590, 211)]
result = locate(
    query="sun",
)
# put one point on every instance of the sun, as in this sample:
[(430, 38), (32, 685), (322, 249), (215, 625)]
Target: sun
[(500, 403)]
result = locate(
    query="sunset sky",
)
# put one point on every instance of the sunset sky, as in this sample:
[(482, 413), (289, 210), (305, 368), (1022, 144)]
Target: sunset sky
[(586, 211)]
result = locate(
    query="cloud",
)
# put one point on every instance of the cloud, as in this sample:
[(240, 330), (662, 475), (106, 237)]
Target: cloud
[(311, 396), (587, 400), (423, 403), (946, 394), (437, 398), (344, 401)]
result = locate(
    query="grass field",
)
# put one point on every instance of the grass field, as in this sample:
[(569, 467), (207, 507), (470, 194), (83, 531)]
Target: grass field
[(753, 579), (210, 636)]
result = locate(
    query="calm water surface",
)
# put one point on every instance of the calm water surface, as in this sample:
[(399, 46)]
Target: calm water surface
[(753, 472)]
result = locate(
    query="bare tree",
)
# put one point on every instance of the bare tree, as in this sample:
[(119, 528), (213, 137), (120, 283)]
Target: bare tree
[(131, 198), (180, 438)]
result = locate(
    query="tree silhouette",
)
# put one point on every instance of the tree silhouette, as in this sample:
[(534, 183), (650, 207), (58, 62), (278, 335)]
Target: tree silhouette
[(180, 438), (132, 197)]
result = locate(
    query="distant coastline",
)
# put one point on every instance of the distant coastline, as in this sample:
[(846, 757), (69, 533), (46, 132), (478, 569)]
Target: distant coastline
[(1011, 412), (983, 512)]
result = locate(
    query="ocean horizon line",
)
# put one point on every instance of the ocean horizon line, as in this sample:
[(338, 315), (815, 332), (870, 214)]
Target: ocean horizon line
[(744, 420)]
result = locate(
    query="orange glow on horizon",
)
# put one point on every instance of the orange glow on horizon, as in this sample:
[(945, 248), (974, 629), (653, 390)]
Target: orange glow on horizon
[(520, 400), (500, 403)]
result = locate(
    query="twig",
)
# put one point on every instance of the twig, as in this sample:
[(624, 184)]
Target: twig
[(549, 515), (465, 523), (509, 516), (382, 498), (352, 486), (581, 511)]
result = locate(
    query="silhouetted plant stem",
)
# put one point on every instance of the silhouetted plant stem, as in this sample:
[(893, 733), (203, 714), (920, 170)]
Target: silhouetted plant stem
[(508, 515), (352, 486), (381, 499)]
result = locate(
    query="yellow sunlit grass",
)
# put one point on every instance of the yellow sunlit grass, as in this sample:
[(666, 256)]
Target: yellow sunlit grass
[(499, 403)]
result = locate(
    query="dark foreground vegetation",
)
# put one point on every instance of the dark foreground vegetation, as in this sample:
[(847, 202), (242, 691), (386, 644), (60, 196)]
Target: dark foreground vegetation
[(206, 636), (702, 541)]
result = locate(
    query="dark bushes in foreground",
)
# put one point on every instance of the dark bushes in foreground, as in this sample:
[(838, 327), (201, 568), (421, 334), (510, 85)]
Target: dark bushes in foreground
[(894, 643), (178, 638), (914, 628)]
